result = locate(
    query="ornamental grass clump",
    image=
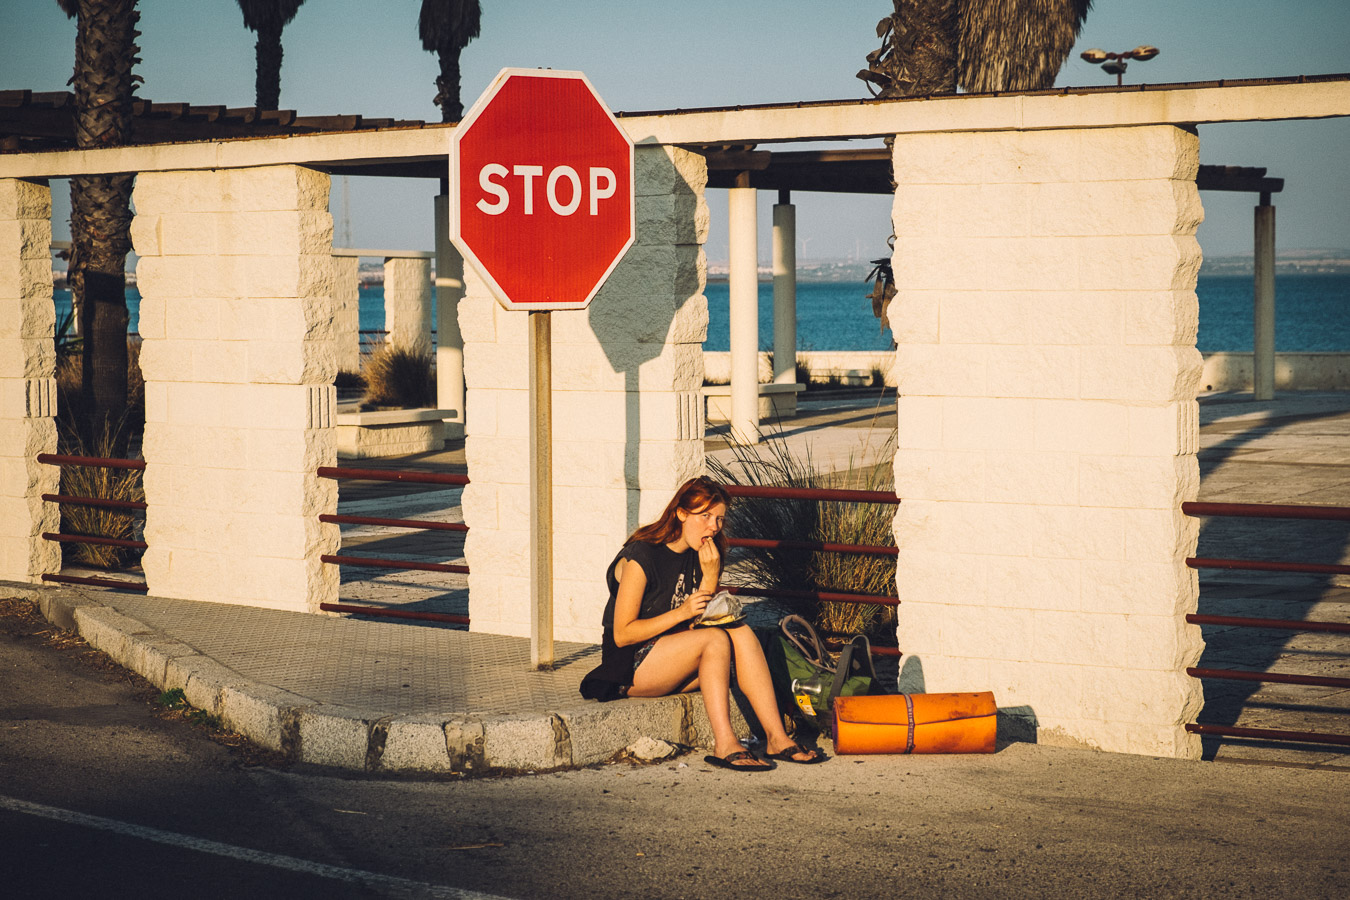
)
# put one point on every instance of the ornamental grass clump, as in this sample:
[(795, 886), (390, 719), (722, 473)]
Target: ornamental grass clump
[(101, 483), (773, 464), (398, 377)]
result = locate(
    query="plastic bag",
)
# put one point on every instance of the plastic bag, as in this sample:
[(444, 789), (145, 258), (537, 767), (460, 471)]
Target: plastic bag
[(722, 609)]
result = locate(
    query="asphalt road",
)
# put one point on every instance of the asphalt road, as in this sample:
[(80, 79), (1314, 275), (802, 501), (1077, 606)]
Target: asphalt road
[(101, 795)]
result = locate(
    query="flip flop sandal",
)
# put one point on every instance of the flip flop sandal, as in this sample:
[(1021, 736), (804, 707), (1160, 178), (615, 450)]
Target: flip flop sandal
[(788, 755), (729, 762)]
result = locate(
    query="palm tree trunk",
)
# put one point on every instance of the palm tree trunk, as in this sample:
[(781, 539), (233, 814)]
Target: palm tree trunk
[(268, 85), (447, 87), (924, 48), (100, 222)]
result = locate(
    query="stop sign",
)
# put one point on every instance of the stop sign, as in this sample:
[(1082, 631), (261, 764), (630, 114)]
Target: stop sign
[(541, 189)]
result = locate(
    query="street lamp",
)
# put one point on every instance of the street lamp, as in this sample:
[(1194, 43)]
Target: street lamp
[(1114, 63)]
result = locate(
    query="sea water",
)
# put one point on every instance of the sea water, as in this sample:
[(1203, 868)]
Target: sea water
[(1312, 314)]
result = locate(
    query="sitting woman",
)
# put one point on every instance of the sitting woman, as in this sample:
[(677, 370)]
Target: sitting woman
[(660, 582)]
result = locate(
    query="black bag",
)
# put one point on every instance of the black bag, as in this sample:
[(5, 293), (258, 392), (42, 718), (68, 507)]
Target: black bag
[(796, 655)]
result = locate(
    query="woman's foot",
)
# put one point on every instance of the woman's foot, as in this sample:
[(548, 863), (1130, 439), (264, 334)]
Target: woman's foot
[(737, 757), (789, 750)]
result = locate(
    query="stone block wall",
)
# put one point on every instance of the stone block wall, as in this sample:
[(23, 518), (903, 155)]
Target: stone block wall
[(1047, 372), (347, 313), (27, 382), (236, 318), (407, 303), (627, 424)]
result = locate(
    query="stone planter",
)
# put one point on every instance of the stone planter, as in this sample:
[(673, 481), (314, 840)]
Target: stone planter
[(776, 401), (390, 432)]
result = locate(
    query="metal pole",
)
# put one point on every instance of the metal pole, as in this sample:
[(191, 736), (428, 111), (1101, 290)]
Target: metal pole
[(541, 490), (784, 291), (743, 250), (1263, 304)]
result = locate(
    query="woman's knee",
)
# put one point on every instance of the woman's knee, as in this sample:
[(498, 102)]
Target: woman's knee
[(717, 643)]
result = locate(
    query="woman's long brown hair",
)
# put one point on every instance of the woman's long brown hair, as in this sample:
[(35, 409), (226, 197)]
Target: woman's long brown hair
[(694, 496)]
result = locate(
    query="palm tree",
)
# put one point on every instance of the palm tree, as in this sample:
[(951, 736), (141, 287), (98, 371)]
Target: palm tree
[(934, 46), (267, 18), (917, 56), (100, 217), (446, 27)]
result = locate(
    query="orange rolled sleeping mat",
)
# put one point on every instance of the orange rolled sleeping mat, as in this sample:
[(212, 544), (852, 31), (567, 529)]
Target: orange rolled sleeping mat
[(915, 723)]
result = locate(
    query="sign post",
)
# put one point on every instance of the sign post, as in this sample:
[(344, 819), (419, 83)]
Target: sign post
[(542, 207)]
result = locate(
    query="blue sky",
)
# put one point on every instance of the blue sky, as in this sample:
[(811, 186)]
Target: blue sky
[(363, 56)]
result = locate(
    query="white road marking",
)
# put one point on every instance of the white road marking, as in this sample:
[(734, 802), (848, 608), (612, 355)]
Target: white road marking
[(399, 887)]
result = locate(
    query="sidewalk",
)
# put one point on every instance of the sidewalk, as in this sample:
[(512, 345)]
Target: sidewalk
[(388, 696)]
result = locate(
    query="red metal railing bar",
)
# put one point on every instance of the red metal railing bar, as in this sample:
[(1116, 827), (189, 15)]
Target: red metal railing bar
[(788, 493), (1266, 511), (94, 501), (1289, 624), (394, 613), (392, 475), (394, 523), (1270, 677), (886, 651), (375, 563), (98, 582), (91, 539), (813, 545), (56, 459), (1271, 734), (820, 596), (1267, 566)]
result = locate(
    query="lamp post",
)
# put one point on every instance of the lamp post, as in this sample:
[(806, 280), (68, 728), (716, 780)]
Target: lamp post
[(1115, 63)]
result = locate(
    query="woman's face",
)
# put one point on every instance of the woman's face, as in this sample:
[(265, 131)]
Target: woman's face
[(697, 527)]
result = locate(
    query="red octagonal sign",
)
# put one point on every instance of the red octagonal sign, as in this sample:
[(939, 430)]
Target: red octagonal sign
[(541, 196)]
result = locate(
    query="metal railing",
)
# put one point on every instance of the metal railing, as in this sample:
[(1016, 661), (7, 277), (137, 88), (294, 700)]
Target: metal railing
[(839, 495), (129, 506), (404, 477), (1268, 511)]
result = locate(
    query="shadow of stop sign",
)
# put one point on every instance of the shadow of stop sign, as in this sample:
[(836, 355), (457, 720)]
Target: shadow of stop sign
[(541, 189)]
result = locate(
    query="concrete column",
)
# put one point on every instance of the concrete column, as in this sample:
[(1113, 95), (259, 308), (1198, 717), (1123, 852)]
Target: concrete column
[(784, 291), (407, 303), (238, 355), (1047, 369), (449, 340), (347, 312), (627, 418), (743, 250), (27, 382), (1263, 303)]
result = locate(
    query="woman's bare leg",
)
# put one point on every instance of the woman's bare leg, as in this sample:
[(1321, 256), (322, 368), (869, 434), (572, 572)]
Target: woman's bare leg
[(752, 675), (688, 660)]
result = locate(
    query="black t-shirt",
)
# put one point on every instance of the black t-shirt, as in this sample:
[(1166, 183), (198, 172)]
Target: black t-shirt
[(671, 578)]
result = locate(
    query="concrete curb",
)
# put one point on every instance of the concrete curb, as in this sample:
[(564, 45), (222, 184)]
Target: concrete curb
[(308, 731)]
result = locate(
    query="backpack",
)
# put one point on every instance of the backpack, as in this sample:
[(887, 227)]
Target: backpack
[(795, 653)]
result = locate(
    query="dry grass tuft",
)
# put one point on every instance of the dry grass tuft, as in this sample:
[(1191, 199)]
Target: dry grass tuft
[(811, 520), (108, 484), (399, 377)]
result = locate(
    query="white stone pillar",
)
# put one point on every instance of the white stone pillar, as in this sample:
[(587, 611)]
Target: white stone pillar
[(27, 383), (407, 303), (743, 277), (627, 419), (449, 340), (1046, 321), (235, 275), (1263, 303), (784, 291), (347, 312)]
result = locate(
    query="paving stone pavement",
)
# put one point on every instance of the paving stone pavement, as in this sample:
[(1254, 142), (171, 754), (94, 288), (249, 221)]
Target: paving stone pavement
[(383, 695)]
